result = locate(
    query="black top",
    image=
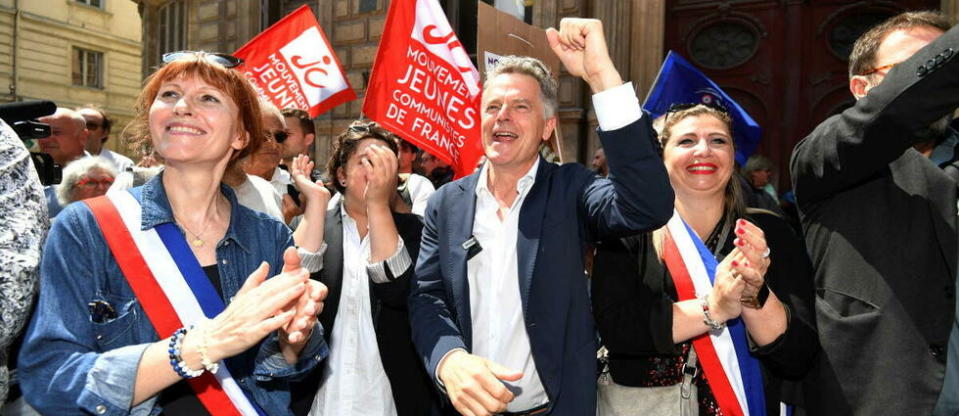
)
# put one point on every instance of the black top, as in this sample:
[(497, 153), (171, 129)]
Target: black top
[(633, 295), (180, 399)]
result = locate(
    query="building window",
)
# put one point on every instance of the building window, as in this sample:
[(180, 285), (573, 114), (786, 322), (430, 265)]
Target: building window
[(95, 3), (171, 28), (87, 68)]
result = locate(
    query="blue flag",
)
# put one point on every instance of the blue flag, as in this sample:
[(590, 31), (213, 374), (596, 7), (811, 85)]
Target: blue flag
[(679, 82)]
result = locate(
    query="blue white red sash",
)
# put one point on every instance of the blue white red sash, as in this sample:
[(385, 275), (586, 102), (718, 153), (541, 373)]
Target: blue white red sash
[(170, 285), (733, 374)]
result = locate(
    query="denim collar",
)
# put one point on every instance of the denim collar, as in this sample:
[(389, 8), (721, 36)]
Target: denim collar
[(156, 209)]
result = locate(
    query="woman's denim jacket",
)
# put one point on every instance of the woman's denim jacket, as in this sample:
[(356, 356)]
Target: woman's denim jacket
[(77, 361)]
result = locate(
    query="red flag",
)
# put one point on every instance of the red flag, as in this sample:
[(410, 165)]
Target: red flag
[(424, 86), (293, 65)]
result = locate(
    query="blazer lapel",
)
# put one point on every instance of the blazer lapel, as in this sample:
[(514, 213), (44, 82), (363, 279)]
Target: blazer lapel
[(530, 228), (459, 228)]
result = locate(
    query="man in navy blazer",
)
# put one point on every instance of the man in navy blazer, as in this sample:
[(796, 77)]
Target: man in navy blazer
[(499, 307)]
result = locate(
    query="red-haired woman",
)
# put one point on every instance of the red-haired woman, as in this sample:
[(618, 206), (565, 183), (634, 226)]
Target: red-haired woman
[(100, 344)]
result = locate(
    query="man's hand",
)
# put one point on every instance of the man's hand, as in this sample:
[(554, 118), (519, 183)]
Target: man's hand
[(581, 45), (474, 384)]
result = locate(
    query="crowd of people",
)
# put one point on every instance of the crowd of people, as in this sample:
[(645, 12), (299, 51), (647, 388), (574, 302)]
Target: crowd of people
[(228, 273)]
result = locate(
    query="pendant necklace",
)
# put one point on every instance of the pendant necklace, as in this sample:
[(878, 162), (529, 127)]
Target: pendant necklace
[(196, 241)]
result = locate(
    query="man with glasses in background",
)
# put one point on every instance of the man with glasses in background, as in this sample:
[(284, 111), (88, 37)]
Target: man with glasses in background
[(99, 123), (880, 223)]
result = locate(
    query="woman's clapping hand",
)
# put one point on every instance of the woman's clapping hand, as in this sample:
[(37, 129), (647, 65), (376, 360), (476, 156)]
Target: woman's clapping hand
[(288, 302)]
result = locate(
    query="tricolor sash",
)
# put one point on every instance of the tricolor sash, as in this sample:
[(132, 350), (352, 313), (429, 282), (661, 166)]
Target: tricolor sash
[(171, 286), (733, 374)]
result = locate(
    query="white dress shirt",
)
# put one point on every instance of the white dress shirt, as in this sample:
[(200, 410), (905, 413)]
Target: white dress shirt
[(496, 308), (354, 381), (420, 190), (257, 194), (121, 162), (280, 180)]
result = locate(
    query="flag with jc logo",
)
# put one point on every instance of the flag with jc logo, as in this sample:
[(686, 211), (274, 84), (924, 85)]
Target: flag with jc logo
[(293, 65)]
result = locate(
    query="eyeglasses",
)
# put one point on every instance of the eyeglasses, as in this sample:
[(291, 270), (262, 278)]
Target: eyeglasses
[(222, 59), (93, 183), (880, 68), (279, 136)]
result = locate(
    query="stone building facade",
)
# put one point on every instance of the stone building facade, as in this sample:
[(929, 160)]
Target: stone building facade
[(783, 72), (72, 52)]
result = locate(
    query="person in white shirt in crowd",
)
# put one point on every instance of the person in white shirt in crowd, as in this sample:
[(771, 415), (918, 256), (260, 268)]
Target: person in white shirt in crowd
[(68, 137), (415, 189), (266, 161), (372, 369), (99, 124), (134, 177)]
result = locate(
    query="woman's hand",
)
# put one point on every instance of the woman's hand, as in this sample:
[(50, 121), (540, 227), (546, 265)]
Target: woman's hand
[(307, 306), (258, 309), (751, 260), (312, 192), (381, 166), (725, 298)]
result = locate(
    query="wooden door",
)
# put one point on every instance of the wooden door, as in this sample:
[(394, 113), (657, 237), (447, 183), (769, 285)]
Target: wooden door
[(784, 61)]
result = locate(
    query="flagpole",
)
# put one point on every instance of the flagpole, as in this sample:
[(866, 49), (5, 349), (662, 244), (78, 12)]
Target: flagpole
[(656, 80)]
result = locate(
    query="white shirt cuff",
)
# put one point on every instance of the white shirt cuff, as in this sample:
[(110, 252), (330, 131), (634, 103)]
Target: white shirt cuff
[(398, 263), (617, 107), (440, 364), (312, 262)]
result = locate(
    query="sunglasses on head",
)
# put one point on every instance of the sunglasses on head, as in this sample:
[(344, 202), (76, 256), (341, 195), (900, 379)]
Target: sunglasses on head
[(222, 59), (370, 129), (677, 107)]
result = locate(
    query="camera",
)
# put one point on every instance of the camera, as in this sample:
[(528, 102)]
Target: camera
[(21, 116)]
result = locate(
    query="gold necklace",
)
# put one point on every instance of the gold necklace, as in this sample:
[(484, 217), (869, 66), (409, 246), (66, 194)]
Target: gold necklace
[(197, 241)]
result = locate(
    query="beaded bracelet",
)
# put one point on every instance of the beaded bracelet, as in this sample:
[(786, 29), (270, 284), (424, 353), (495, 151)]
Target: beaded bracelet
[(176, 360), (210, 366)]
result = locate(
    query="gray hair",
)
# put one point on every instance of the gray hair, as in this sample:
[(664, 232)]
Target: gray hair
[(76, 170), (533, 67)]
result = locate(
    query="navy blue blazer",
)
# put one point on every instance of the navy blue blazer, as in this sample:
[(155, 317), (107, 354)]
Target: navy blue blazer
[(567, 207)]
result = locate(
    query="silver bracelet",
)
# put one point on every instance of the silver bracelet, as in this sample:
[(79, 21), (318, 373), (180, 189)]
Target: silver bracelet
[(708, 319)]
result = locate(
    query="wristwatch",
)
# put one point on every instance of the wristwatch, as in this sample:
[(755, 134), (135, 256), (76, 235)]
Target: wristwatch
[(757, 301)]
